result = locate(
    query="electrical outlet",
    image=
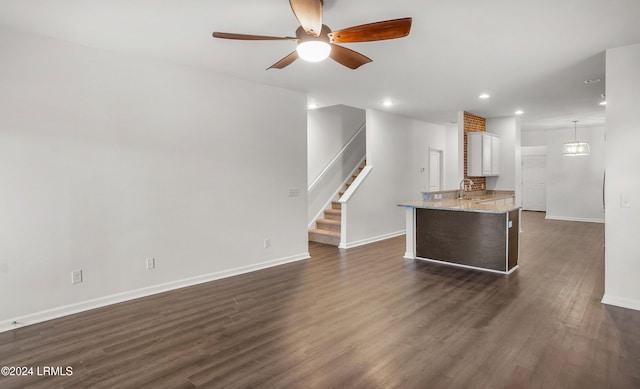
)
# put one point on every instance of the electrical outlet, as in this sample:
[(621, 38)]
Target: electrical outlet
[(76, 276), (267, 243), (151, 263)]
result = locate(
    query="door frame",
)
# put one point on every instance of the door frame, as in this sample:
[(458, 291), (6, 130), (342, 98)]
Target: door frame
[(533, 151), (441, 172)]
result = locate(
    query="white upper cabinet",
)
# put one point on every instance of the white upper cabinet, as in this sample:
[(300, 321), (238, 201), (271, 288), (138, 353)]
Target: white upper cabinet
[(483, 154), (495, 155)]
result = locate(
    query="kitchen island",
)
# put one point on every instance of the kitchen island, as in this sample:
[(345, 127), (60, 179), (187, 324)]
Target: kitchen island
[(481, 233)]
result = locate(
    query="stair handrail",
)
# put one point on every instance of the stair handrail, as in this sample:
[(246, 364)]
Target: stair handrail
[(355, 184), (335, 159)]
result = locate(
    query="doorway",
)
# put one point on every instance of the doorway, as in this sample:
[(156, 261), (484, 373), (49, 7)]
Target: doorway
[(534, 179), (434, 179)]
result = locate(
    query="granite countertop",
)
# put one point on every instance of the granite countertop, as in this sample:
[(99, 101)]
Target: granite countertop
[(474, 204), (488, 197)]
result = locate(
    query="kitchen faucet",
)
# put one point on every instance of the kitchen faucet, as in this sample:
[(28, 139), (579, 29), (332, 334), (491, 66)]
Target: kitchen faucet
[(461, 193)]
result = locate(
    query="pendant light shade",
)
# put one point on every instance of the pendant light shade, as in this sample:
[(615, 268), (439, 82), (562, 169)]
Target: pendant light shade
[(571, 149), (575, 148)]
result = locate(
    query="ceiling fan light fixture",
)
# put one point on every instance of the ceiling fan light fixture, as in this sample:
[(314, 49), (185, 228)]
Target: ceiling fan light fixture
[(317, 42), (314, 51)]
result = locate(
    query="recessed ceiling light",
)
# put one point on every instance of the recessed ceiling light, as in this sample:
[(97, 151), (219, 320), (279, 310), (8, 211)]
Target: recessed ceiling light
[(603, 103), (312, 106), (592, 80), (387, 103), (519, 112), (484, 96)]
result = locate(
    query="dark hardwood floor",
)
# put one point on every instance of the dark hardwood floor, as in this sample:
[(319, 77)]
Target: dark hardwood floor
[(359, 318)]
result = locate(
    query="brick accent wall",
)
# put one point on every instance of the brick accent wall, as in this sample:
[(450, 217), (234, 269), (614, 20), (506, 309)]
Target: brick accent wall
[(473, 123)]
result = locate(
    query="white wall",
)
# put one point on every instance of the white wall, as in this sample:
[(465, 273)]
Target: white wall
[(332, 155), (106, 160), (328, 130), (510, 178), (451, 179), (622, 228), (397, 150), (460, 128), (574, 184)]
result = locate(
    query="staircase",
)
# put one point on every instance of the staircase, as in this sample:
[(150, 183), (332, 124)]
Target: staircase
[(327, 229)]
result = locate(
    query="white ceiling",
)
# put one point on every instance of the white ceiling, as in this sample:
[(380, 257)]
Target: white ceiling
[(532, 55)]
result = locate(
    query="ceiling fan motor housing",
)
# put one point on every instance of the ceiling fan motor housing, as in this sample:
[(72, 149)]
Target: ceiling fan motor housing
[(302, 35)]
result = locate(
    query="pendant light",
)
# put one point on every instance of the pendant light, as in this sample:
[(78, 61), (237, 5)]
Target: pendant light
[(575, 148)]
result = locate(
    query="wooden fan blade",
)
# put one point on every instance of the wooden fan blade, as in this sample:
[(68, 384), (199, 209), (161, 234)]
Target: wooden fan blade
[(347, 57), (309, 14), (245, 37), (378, 31), (284, 62)]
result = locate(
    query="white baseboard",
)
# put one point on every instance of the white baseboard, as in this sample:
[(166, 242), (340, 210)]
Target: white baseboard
[(573, 219), (622, 302), (374, 239), (70, 309)]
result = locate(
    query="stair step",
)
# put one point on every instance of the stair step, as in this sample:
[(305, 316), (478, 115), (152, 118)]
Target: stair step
[(324, 236), (328, 231), (334, 214), (329, 224)]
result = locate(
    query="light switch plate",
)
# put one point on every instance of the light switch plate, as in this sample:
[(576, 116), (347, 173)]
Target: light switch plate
[(625, 202), (294, 192)]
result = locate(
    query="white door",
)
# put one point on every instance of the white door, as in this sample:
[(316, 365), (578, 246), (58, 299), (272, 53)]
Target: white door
[(435, 171), (534, 183)]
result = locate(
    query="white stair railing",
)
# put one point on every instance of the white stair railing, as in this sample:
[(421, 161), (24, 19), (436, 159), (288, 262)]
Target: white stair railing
[(336, 158), (325, 187)]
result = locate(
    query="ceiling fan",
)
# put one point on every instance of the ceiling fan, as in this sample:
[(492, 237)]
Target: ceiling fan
[(316, 41)]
